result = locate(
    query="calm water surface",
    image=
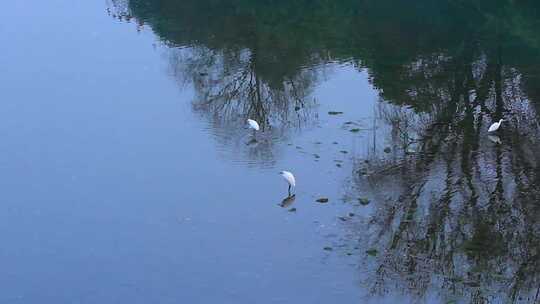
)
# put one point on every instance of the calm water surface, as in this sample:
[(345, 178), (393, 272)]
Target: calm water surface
[(128, 175)]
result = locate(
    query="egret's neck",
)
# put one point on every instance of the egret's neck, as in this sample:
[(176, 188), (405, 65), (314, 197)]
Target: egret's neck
[(500, 121)]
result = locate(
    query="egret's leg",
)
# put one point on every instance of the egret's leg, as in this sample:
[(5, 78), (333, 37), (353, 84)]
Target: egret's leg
[(289, 190)]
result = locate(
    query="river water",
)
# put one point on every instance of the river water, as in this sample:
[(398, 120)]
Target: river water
[(129, 176)]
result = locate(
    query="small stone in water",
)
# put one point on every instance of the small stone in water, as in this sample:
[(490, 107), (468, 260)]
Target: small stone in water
[(355, 130), (387, 150), (322, 200), (292, 210), (296, 108), (372, 252), (328, 248), (334, 113), (338, 165), (363, 201), (343, 151), (316, 155), (342, 218), (335, 143), (351, 214), (472, 284)]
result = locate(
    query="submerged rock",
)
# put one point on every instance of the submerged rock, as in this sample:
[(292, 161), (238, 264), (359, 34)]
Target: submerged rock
[(362, 171), (363, 201), (355, 130), (372, 252), (327, 248), (387, 150), (334, 113), (292, 210), (472, 284), (322, 200)]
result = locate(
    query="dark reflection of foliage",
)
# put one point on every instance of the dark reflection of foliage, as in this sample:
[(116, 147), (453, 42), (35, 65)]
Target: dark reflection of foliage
[(282, 37), (247, 64), (457, 213), (229, 88), (235, 74)]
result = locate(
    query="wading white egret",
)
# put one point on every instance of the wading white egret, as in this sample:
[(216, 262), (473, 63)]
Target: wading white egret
[(289, 177), (253, 124), (495, 126)]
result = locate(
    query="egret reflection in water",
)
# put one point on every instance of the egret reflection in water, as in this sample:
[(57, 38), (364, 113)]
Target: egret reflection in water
[(495, 139), (288, 201)]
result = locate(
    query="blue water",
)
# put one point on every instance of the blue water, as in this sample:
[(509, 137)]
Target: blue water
[(122, 183)]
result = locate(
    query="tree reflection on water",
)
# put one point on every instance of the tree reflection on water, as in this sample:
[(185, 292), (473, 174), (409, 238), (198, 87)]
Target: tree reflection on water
[(229, 90), (457, 211)]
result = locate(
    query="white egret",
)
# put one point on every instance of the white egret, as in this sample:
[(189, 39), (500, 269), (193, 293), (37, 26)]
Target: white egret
[(495, 126), (253, 124), (289, 177)]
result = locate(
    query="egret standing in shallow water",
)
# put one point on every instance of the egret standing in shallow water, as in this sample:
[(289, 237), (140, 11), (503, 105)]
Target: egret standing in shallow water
[(289, 177), (252, 124), (495, 126)]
